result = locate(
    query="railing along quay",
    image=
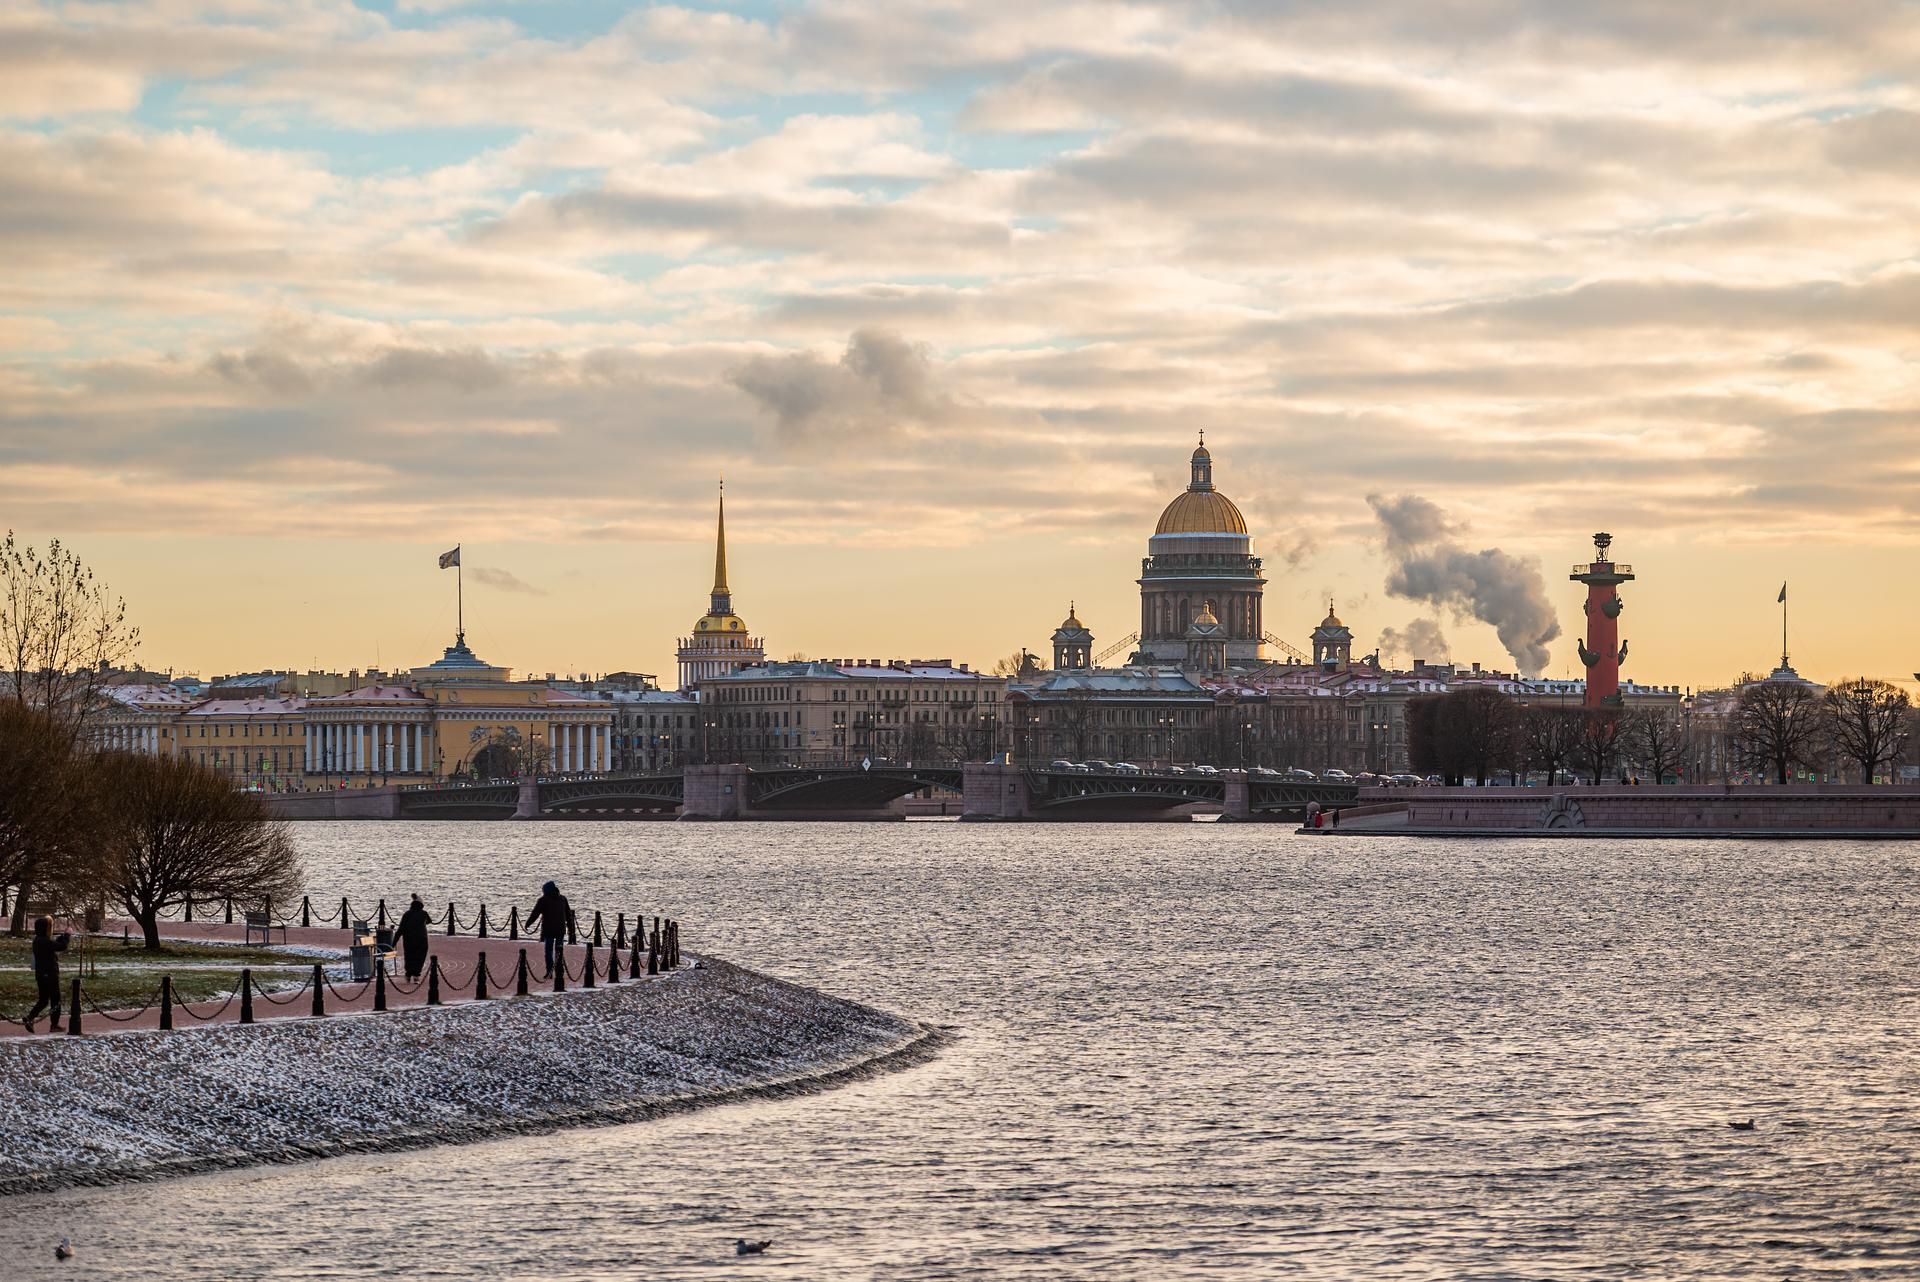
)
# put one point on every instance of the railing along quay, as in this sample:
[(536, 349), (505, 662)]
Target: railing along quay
[(646, 952)]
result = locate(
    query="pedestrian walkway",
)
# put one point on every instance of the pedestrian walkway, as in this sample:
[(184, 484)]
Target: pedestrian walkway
[(459, 958)]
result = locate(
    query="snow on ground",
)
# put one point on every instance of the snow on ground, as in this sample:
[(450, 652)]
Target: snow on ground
[(99, 1108)]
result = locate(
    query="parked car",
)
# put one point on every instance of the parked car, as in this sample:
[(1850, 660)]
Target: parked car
[(1335, 775), (1126, 768), (1205, 770), (1264, 772), (1172, 770), (1367, 777), (1406, 781), (1297, 775), (1061, 763), (1099, 765), (1434, 781)]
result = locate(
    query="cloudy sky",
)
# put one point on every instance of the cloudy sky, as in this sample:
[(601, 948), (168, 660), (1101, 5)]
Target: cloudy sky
[(299, 293)]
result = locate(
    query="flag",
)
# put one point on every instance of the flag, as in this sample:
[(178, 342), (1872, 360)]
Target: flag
[(1783, 587), (450, 559)]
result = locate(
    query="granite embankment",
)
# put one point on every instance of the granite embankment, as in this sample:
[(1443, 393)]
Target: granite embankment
[(141, 1105)]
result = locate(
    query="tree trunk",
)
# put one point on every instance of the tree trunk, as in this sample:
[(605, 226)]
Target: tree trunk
[(150, 928)]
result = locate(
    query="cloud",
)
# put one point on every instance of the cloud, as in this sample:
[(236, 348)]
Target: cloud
[(879, 383), (1426, 564), (502, 580)]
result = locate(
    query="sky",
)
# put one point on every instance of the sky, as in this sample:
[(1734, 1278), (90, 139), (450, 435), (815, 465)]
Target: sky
[(301, 293)]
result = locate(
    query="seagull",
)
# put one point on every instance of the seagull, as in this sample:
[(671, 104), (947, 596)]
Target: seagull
[(64, 1251), (1742, 1126), (743, 1247)]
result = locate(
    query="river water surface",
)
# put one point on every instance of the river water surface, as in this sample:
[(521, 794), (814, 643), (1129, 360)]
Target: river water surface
[(1184, 1051)]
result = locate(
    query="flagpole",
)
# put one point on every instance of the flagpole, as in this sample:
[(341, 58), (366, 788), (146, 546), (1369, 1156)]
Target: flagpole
[(460, 598)]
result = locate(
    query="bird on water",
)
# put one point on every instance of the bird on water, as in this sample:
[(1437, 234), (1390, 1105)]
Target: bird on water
[(743, 1247), (1742, 1126), (64, 1251)]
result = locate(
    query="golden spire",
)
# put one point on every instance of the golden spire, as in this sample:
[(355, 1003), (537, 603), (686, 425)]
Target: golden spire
[(720, 546)]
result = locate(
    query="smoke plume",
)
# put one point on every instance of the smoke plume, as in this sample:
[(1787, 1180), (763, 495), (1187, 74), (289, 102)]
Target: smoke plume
[(1428, 564), (1420, 639), (504, 580)]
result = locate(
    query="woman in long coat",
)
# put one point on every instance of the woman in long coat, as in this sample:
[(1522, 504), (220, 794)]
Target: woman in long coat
[(412, 936)]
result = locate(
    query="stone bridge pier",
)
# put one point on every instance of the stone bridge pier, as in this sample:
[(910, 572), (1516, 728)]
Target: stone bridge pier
[(714, 792), (990, 790)]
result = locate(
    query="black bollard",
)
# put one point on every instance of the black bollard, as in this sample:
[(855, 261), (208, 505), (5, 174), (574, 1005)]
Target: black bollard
[(246, 995), (319, 993), (653, 959), (433, 981), (633, 960), (613, 965), (483, 921), (620, 936), (344, 923), (450, 929), (676, 945), (73, 1014), (596, 926), (480, 978), (383, 914), (229, 910), (513, 922), (379, 985), (166, 1003), (188, 919), (586, 972), (306, 912), (560, 969), (520, 976)]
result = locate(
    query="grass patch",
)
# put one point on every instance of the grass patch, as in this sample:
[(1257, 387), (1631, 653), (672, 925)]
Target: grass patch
[(124, 976)]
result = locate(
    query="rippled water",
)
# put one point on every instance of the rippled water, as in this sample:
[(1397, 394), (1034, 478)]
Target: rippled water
[(1186, 1051)]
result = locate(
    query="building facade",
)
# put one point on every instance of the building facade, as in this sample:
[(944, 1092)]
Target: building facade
[(845, 711)]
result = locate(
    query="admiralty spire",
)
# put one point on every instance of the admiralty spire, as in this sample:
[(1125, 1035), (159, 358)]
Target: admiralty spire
[(720, 641)]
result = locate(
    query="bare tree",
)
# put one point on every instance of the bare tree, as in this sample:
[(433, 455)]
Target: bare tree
[(1468, 734), (48, 809), (60, 631), (1549, 736), (175, 829), (1778, 723), (1021, 665), (1656, 740), (1867, 723), (1598, 747)]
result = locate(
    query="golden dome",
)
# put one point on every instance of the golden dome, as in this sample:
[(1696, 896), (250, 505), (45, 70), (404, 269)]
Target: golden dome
[(1201, 512)]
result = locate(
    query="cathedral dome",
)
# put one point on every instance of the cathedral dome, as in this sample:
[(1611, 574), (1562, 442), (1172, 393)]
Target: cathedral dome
[(1201, 512), (1202, 509)]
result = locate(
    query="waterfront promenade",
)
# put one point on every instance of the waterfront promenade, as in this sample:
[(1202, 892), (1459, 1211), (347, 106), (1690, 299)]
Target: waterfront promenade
[(459, 958)]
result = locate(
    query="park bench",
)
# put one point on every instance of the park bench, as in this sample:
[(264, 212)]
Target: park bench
[(266, 926)]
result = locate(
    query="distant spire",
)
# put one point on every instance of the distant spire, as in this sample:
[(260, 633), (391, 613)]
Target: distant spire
[(720, 546)]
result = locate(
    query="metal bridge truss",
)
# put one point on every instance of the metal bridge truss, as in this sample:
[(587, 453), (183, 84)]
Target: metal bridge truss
[(845, 789)]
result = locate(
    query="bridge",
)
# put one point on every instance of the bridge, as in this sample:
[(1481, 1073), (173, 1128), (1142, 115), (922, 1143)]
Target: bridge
[(989, 790)]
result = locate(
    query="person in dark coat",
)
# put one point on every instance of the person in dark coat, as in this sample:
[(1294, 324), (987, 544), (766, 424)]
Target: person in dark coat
[(47, 948), (557, 925), (411, 934)]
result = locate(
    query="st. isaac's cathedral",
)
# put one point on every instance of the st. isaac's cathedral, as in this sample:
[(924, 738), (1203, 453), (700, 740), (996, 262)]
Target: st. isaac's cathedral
[(1200, 594)]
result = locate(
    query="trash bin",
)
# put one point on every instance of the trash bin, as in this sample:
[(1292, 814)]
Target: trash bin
[(362, 951)]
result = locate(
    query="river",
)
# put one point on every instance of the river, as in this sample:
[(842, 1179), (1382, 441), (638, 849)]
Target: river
[(1183, 1051)]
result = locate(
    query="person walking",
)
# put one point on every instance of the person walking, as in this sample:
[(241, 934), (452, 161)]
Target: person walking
[(557, 925), (47, 948), (411, 934)]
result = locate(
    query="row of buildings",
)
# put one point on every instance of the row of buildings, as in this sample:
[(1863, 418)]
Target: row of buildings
[(1202, 680)]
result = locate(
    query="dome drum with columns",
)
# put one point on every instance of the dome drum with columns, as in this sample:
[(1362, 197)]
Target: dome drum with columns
[(1200, 560)]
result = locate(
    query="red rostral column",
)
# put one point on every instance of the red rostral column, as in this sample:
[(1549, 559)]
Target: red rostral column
[(1603, 651)]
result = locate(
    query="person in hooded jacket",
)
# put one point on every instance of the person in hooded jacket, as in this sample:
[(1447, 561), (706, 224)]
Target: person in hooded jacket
[(557, 925), (47, 948), (411, 933)]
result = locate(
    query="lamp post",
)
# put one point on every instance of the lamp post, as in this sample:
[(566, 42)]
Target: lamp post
[(1376, 736), (1246, 739), (1165, 722)]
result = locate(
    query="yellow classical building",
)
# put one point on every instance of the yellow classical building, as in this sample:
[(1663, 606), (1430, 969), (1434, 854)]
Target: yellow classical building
[(458, 715)]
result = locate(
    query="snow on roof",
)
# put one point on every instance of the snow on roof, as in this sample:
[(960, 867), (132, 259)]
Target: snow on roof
[(246, 707)]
